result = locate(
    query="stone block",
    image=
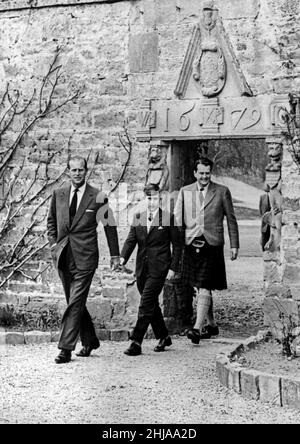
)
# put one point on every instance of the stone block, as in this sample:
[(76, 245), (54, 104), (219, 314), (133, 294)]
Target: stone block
[(112, 292), (290, 392), (269, 388), (239, 9), (166, 12), (295, 292), (271, 272), (292, 274), (37, 337), (119, 309), (14, 338), (250, 384), (143, 52), (234, 377), (2, 338), (119, 335), (133, 298), (103, 334), (278, 290), (149, 9), (222, 368), (100, 310)]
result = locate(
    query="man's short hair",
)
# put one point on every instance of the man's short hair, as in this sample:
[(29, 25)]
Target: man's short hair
[(151, 188), (203, 161), (83, 159)]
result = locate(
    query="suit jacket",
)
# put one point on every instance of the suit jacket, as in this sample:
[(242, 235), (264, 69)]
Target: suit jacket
[(154, 246), (82, 234), (217, 205)]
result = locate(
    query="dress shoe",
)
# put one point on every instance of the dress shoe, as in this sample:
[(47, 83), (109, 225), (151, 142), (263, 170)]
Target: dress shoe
[(194, 335), (163, 342), (86, 351), (208, 331), (63, 357), (133, 350)]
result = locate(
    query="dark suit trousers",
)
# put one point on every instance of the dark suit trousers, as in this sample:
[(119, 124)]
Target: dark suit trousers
[(76, 319), (149, 309)]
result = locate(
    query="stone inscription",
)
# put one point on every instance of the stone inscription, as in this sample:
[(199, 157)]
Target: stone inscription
[(234, 117)]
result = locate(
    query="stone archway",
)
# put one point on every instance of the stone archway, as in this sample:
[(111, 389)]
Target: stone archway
[(213, 101)]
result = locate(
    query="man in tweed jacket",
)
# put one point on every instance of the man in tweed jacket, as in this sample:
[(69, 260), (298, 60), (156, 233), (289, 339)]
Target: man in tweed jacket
[(200, 210)]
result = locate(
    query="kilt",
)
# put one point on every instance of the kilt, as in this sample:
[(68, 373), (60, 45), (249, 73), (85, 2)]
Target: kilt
[(204, 269)]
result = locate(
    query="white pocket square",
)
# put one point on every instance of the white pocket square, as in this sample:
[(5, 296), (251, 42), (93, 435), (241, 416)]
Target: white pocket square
[(160, 228), (90, 211)]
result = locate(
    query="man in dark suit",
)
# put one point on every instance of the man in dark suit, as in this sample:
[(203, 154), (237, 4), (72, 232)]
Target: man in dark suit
[(200, 210), (154, 232), (72, 222)]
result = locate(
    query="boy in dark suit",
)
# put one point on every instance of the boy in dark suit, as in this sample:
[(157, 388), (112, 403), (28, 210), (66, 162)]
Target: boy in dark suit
[(154, 232)]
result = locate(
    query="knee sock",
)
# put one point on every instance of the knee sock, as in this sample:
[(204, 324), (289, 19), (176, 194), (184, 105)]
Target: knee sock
[(210, 315), (203, 304)]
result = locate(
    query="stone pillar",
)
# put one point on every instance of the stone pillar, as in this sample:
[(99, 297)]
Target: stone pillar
[(282, 249)]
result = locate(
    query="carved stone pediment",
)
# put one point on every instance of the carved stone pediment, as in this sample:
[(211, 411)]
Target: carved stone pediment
[(210, 62)]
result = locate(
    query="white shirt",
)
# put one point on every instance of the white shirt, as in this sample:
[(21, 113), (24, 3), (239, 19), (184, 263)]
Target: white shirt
[(149, 223), (80, 194)]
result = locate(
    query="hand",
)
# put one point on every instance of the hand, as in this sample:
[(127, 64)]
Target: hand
[(122, 260), (114, 262), (170, 275), (233, 253)]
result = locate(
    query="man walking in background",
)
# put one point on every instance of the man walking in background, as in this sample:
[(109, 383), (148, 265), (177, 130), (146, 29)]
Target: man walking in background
[(200, 210), (72, 222)]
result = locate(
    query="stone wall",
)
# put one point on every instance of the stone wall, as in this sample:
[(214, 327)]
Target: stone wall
[(121, 53)]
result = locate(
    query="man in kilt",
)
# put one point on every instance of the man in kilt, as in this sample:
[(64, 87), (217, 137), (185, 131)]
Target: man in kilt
[(200, 210)]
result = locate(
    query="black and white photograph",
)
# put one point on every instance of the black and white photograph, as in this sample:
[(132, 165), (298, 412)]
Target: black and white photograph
[(149, 215)]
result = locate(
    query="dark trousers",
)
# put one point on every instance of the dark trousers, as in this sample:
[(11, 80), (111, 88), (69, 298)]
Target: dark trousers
[(149, 309), (76, 318)]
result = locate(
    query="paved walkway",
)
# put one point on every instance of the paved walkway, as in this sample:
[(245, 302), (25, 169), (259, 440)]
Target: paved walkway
[(178, 386)]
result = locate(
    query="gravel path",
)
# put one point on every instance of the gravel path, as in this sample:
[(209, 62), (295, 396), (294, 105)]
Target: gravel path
[(178, 386)]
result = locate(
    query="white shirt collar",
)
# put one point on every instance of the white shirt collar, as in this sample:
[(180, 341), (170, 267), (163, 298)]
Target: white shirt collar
[(204, 188), (81, 189), (154, 213)]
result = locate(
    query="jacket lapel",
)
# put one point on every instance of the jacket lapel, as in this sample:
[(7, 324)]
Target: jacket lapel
[(64, 194), (86, 198), (142, 223), (211, 191), (156, 221)]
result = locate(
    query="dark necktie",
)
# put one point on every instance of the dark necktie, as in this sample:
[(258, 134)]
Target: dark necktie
[(150, 217), (73, 206), (201, 196)]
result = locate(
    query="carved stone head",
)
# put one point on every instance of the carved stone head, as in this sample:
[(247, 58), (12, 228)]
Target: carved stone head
[(275, 151), (155, 154)]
